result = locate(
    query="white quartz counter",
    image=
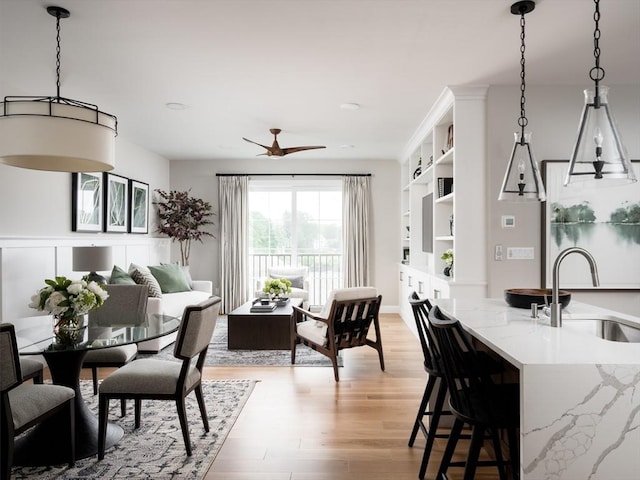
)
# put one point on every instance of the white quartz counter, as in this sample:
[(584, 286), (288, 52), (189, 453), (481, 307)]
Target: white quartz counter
[(579, 394)]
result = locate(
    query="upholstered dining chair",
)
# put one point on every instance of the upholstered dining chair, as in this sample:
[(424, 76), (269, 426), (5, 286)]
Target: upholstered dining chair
[(150, 379), (126, 305), (343, 322), (26, 404), (474, 400), (31, 369)]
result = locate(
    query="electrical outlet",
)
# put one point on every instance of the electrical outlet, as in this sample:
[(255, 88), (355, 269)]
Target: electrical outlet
[(498, 253)]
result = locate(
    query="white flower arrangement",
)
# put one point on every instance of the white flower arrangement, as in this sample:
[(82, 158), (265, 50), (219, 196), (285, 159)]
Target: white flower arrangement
[(66, 299), (278, 286)]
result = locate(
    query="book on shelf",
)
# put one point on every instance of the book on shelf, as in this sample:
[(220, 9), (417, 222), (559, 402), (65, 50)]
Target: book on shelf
[(445, 186)]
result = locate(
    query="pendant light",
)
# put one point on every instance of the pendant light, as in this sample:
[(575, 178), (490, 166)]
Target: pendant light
[(56, 133), (599, 157), (522, 181)]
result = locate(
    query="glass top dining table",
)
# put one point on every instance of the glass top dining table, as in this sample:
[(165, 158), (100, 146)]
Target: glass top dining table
[(34, 336)]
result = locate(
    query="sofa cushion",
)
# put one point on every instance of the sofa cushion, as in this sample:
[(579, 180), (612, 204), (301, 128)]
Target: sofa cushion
[(170, 277), (173, 304), (120, 277), (142, 276)]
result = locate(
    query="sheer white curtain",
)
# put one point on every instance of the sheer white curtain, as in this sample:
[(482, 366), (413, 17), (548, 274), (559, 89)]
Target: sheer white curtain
[(355, 232), (233, 200)]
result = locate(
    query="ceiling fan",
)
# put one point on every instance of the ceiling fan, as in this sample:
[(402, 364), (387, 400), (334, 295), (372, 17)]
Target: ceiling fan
[(275, 150)]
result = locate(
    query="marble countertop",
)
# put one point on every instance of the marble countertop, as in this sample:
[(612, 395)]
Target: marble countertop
[(523, 340)]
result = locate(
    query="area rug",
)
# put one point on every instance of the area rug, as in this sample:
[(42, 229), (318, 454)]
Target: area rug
[(156, 450), (218, 354)]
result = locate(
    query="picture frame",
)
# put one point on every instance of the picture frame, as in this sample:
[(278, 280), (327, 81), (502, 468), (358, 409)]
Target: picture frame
[(116, 203), (600, 220), (86, 202), (139, 207)]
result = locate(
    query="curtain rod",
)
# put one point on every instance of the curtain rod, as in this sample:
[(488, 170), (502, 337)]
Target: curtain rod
[(293, 174)]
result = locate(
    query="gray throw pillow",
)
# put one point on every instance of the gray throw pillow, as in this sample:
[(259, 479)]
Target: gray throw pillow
[(296, 282), (142, 276)]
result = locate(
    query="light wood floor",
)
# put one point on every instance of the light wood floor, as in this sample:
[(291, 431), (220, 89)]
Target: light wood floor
[(299, 424)]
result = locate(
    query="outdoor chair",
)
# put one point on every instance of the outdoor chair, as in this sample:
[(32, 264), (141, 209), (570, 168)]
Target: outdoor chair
[(24, 405), (474, 400), (343, 323), (150, 379)]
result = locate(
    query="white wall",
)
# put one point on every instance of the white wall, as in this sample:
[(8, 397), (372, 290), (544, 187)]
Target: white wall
[(553, 114), (200, 177)]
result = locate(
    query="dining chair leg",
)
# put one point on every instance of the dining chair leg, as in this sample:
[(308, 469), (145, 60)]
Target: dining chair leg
[(71, 413), (422, 411), (94, 377), (137, 412), (497, 450), (203, 408), (103, 411), (123, 407), (477, 438), (456, 430), (433, 427), (182, 415)]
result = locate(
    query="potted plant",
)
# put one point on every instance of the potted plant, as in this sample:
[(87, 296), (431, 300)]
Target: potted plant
[(181, 219), (448, 259)]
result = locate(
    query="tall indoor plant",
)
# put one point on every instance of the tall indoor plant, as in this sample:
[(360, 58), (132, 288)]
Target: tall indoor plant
[(181, 219)]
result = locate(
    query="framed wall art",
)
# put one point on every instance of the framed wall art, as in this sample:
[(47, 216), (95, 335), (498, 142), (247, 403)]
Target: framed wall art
[(116, 202), (139, 207), (605, 221), (86, 202)]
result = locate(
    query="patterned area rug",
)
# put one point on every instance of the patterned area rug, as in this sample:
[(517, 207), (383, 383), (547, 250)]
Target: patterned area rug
[(219, 355), (156, 450)]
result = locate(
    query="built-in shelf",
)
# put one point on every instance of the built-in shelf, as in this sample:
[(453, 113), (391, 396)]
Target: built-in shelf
[(444, 238), (446, 199)]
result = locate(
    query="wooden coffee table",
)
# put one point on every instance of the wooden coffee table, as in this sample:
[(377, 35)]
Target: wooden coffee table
[(261, 330)]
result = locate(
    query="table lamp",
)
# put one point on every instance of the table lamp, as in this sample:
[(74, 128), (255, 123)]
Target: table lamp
[(92, 259)]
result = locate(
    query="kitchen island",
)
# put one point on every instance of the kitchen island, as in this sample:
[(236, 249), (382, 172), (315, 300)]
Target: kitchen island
[(580, 394)]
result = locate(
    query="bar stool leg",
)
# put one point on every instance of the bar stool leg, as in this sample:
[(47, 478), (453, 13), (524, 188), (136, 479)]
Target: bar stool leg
[(422, 411), (433, 427)]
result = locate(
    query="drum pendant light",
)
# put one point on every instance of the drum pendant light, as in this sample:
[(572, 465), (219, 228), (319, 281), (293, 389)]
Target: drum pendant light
[(56, 133), (599, 157), (522, 181)]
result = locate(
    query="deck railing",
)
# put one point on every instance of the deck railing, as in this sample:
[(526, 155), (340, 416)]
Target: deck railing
[(325, 271)]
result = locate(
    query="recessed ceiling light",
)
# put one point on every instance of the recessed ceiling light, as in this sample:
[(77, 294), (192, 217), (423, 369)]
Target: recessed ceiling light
[(350, 106), (176, 106)]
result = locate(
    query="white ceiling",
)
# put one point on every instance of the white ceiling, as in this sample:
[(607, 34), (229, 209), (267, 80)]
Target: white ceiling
[(244, 66)]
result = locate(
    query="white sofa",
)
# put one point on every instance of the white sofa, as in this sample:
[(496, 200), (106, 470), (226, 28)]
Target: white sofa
[(173, 304)]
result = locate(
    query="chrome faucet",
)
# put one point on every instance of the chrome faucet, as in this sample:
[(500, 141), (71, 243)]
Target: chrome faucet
[(556, 308)]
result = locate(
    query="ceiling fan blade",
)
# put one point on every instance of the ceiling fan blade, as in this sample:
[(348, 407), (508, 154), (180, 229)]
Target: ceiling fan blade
[(256, 143), (286, 151)]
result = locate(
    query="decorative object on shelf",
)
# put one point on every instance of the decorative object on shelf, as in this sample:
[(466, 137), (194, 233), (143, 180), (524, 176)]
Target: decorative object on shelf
[(67, 300), (418, 171), (449, 137), (92, 259), (54, 133), (430, 161), (116, 200), (447, 256), (181, 218), (522, 181), (451, 224), (599, 157), (405, 256), (86, 202), (445, 186), (138, 207), (277, 288)]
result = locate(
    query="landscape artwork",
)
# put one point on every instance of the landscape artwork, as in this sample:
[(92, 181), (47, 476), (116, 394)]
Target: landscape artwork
[(605, 221)]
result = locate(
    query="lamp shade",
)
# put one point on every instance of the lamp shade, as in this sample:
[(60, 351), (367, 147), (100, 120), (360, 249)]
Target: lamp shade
[(91, 259), (41, 134)]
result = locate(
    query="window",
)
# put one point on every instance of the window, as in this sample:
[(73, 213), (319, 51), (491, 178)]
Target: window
[(297, 222)]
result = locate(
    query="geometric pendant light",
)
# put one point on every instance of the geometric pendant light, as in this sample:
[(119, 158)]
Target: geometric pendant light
[(56, 133), (522, 181), (599, 157)]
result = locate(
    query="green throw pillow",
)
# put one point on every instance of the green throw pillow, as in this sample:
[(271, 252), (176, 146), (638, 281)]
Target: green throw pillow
[(120, 277), (171, 278)]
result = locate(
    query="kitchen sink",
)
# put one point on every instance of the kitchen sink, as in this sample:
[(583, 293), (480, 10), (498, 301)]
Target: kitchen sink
[(608, 327)]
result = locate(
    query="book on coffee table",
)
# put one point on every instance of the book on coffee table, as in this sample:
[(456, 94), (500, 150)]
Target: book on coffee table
[(259, 307)]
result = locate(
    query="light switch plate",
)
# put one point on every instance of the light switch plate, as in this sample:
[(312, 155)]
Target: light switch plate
[(508, 221), (520, 253)]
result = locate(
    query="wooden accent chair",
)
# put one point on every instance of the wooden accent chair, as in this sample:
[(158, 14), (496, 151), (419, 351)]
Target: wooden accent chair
[(164, 379), (343, 323), (126, 305), (474, 400), (25, 404)]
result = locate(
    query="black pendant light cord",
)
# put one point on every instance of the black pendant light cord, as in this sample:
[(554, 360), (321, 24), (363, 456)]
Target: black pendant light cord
[(522, 121), (596, 73), (58, 55)]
